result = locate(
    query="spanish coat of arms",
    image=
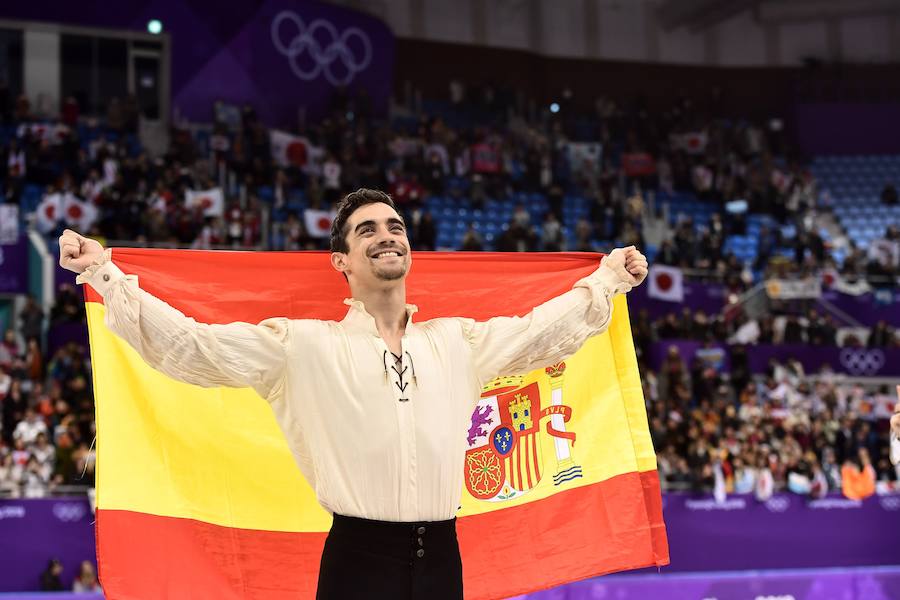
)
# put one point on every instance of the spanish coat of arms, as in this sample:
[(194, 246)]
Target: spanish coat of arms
[(503, 459)]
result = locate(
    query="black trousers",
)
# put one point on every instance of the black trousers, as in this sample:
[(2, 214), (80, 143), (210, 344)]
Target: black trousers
[(371, 560)]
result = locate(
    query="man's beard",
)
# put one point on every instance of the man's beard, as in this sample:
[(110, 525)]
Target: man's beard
[(392, 273)]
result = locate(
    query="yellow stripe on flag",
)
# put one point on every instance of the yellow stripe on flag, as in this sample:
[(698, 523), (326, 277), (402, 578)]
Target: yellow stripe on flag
[(211, 454)]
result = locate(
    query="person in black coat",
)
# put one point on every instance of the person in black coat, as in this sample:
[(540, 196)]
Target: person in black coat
[(50, 581)]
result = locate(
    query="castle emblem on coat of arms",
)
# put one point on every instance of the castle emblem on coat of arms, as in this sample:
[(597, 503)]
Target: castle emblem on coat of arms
[(503, 459)]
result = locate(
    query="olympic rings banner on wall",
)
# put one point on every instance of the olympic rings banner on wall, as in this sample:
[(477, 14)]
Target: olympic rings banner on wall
[(858, 362), (277, 56), (290, 55)]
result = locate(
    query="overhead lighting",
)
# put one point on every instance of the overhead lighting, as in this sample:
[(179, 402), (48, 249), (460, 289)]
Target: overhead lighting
[(154, 26)]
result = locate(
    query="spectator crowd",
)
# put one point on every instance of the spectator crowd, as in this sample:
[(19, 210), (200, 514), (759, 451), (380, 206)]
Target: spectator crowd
[(46, 406), (787, 430), (815, 328), (784, 430)]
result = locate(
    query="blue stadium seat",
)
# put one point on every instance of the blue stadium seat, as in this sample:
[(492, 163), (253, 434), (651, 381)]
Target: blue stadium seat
[(266, 193)]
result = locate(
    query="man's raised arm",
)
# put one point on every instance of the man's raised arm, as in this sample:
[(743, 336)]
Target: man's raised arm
[(557, 328), (233, 355)]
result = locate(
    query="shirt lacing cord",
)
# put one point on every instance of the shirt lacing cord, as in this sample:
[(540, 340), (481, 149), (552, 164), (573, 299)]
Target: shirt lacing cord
[(398, 361)]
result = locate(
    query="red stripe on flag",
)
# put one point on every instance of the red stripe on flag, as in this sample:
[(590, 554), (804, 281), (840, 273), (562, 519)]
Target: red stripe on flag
[(528, 462), (653, 501), (537, 463), (165, 557), (521, 481), (440, 282), (600, 528)]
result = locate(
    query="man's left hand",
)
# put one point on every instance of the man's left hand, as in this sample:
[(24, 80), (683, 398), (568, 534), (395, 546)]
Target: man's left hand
[(629, 263)]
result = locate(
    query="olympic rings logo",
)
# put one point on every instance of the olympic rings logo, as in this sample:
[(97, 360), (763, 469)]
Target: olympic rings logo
[(306, 42), (890, 502), (778, 504), (862, 362), (69, 512)]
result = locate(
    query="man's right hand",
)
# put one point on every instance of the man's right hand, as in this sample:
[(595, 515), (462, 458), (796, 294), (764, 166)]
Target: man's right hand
[(77, 252)]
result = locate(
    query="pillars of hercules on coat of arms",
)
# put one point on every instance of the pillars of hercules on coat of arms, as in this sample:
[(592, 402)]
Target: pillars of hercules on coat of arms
[(566, 467)]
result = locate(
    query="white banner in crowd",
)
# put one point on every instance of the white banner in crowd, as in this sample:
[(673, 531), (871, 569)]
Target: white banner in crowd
[(51, 132), (790, 289), (885, 252), (834, 280), (666, 283), (9, 223), (585, 157), (211, 201)]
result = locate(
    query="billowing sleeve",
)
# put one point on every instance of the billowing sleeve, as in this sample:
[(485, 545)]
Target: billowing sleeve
[(232, 355), (548, 334)]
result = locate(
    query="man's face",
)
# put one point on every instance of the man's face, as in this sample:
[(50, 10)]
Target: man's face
[(379, 249)]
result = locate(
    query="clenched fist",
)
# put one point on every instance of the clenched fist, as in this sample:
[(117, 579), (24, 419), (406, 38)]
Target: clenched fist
[(629, 264), (77, 252)]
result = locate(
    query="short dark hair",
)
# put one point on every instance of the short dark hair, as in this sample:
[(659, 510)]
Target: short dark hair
[(346, 207)]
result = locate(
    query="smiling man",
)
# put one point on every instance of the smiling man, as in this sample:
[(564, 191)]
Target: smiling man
[(374, 407)]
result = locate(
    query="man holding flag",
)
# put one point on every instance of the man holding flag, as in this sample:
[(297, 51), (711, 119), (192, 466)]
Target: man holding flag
[(374, 407)]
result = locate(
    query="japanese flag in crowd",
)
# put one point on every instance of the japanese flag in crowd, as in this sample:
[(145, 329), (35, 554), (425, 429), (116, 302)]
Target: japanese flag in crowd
[(666, 283), (78, 213), (293, 150), (318, 222), (692, 142), (51, 132), (211, 201), (49, 212)]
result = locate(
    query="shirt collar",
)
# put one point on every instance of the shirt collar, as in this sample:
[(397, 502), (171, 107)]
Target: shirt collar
[(358, 318)]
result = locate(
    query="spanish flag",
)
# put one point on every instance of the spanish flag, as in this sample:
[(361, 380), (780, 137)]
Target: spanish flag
[(199, 497)]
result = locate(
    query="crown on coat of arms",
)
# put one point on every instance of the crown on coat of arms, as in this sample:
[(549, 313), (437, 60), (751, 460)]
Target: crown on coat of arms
[(556, 370), (509, 382)]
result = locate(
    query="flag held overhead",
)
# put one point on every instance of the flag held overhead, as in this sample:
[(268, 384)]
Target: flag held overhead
[(199, 484)]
